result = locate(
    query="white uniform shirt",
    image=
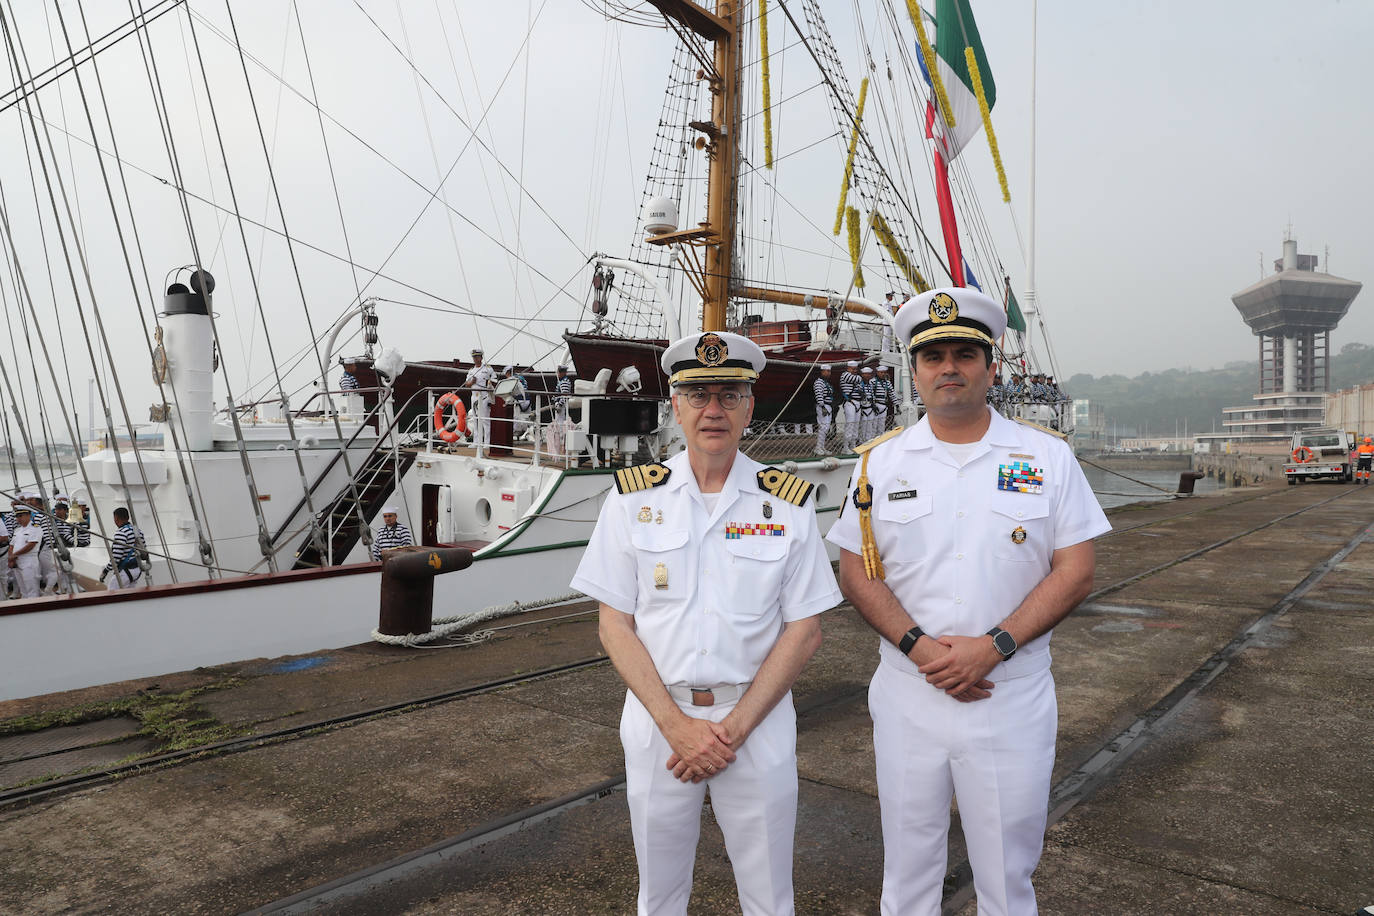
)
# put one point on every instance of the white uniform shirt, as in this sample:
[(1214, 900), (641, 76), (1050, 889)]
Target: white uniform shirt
[(26, 534), (961, 551), (483, 379), (728, 595)]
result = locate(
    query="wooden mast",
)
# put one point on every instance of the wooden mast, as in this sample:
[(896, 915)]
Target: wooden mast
[(717, 233)]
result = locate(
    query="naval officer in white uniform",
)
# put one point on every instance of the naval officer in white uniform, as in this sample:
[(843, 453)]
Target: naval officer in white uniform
[(710, 572), (966, 539)]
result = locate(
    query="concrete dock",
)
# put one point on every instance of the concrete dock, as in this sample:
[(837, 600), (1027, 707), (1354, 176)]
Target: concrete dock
[(1214, 755)]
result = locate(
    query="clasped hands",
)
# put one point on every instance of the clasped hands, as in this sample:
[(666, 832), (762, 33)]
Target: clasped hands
[(701, 748), (958, 665)]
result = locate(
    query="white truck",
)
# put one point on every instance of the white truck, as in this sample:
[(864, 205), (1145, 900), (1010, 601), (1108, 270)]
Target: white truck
[(1321, 452)]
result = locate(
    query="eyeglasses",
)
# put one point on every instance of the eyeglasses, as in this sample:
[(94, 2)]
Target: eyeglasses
[(700, 397)]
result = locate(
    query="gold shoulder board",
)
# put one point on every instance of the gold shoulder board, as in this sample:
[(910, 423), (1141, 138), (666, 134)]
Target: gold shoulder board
[(640, 477), (1044, 429), (787, 487), (877, 440)]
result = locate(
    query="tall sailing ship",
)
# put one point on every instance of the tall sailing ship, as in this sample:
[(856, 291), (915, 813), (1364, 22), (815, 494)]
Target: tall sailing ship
[(256, 506)]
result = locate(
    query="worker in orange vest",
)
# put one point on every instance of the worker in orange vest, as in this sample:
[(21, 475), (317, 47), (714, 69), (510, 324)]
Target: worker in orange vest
[(1365, 458)]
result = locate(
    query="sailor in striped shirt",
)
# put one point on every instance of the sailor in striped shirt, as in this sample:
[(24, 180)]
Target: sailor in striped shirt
[(126, 548), (851, 383), (824, 390), (392, 534)]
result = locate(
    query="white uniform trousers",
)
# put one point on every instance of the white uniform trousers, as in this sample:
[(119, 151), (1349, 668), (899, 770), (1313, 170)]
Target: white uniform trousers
[(851, 426), (118, 579), (47, 569), (996, 755), (754, 800), (823, 414), (28, 575), (870, 426), (481, 423)]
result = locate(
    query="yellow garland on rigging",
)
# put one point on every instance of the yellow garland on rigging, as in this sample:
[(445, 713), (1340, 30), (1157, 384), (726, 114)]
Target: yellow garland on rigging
[(849, 162), (767, 96), (914, 11), (898, 256), (854, 247), (987, 121)]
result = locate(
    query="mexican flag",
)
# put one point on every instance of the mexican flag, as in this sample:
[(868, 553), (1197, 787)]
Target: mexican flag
[(955, 30)]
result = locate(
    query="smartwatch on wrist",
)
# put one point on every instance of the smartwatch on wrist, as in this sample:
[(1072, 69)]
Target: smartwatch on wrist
[(909, 640), (1003, 642)]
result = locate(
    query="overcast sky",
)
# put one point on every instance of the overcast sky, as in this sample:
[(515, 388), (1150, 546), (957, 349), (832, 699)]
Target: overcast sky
[(1177, 142)]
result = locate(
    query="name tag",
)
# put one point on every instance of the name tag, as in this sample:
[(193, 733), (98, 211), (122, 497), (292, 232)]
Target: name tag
[(901, 494)]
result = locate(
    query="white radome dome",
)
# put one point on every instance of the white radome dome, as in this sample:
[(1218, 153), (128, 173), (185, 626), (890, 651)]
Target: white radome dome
[(660, 216)]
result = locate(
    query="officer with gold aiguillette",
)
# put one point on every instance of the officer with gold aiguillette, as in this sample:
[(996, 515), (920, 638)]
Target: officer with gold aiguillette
[(969, 538), (710, 572)]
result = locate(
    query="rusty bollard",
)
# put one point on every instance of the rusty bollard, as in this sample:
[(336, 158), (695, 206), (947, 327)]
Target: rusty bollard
[(408, 586), (1187, 479)]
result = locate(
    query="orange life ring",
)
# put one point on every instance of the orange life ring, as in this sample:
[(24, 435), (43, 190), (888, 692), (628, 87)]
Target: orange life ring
[(448, 427), (1302, 454)]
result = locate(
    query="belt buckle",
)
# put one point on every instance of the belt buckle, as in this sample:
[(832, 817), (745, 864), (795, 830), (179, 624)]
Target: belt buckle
[(703, 697)]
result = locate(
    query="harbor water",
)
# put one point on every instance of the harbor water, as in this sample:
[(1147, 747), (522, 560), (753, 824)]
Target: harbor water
[(1112, 489)]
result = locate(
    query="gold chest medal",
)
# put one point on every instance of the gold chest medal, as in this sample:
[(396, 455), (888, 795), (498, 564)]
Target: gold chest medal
[(660, 576), (1018, 535), (646, 515)]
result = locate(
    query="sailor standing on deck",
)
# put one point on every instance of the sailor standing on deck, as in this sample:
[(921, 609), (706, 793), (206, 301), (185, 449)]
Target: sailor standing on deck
[(47, 563), (391, 535), (824, 391), (710, 572), (67, 534), (887, 328), (885, 398), (26, 539), (126, 548), (481, 379), (851, 383), (868, 405), (970, 537)]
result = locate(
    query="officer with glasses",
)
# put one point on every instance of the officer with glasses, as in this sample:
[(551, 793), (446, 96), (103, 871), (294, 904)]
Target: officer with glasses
[(711, 574)]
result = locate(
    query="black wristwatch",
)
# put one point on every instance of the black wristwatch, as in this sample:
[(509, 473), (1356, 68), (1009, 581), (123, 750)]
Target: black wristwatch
[(909, 640), (1003, 642)]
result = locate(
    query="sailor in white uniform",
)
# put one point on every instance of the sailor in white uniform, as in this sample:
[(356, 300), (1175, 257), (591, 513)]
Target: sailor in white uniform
[(26, 539), (968, 538), (710, 572), (481, 379), (391, 535)]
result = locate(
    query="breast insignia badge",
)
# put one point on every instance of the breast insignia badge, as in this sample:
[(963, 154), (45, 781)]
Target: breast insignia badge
[(646, 515), (1018, 535), (659, 519), (767, 509), (660, 576)]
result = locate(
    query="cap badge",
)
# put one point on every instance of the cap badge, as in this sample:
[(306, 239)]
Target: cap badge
[(712, 350), (1018, 535), (943, 308)]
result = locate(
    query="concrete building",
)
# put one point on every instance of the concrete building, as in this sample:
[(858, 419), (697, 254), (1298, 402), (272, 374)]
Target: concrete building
[(1089, 426), (1292, 312)]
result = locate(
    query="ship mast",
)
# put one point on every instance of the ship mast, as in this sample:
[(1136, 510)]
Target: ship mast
[(711, 274)]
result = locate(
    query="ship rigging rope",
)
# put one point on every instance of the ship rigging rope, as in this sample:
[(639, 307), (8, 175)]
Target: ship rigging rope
[(190, 478), (1127, 476), (169, 143), (18, 56), (377, 272)]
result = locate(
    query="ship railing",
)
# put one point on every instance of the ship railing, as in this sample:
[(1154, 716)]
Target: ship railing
[(386, 422)]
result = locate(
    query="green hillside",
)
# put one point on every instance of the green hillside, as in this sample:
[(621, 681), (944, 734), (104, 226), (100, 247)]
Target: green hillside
[(1156, 403)]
